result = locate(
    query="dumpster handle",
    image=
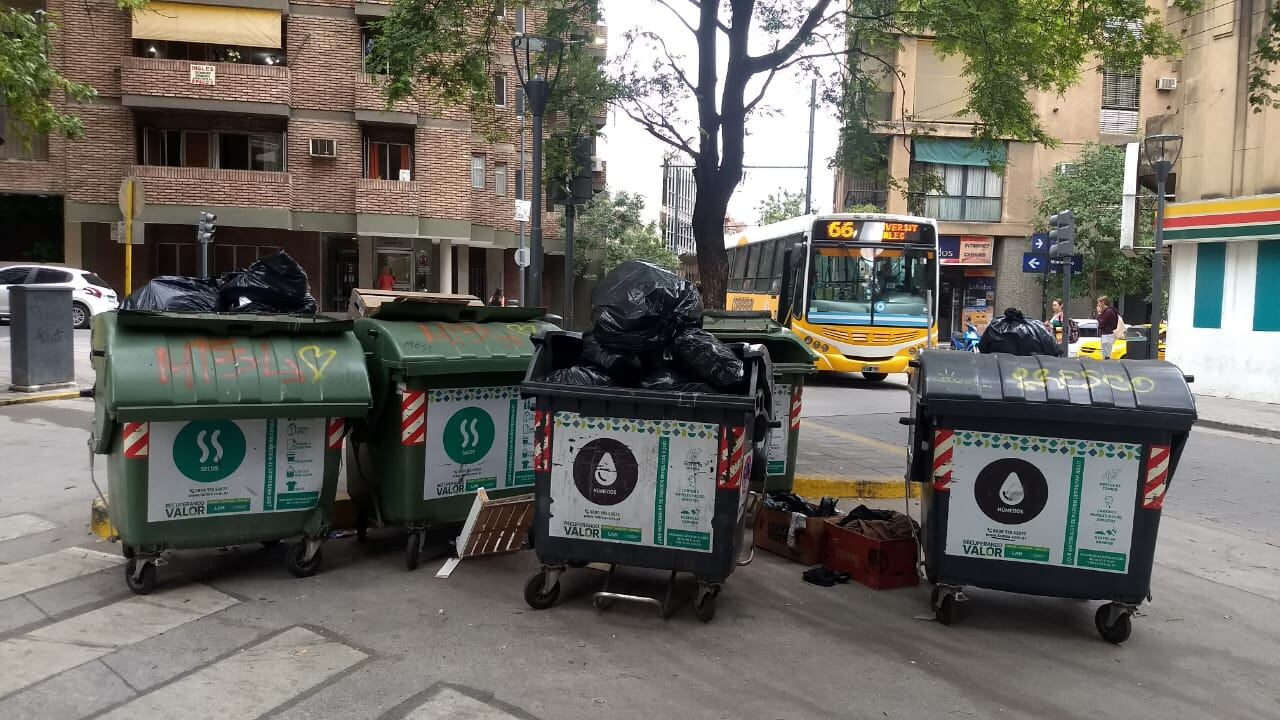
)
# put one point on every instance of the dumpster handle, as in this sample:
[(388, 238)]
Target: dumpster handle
[(904, 420), (1189, 378), (86, 393)]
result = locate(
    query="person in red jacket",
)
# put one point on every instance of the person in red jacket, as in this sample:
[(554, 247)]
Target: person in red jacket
[(1108, 320), (386, 281)]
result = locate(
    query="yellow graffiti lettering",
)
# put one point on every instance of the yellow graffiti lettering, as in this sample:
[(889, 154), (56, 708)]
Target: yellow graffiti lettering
[(522, 328), (316, 360), (1143, 384), (1027, 380)]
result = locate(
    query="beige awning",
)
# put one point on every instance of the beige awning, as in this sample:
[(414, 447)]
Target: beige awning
[(208, 24)]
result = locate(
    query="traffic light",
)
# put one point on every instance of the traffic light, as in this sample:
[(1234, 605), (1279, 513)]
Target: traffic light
[(1062, 234), (208, 226)]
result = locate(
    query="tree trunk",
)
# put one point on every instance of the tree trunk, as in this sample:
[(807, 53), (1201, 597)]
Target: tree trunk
[(708, 234)]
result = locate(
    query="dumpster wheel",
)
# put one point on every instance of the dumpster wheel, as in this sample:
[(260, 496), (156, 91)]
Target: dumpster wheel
[(141, 580), (704, 603), (1114, 622), (536, 593), (296, 559), (946, 600), (413, 549)]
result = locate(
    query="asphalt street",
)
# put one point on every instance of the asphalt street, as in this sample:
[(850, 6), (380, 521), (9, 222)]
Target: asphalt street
[(232, 635)]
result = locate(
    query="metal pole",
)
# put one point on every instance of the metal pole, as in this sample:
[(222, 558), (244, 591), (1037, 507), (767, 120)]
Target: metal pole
[(1157, 271), (808, 168), (537, 95), (1066, 303), (570, 211), (520, 194)]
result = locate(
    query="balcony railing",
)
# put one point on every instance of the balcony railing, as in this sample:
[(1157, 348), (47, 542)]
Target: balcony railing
[(388, 197), (210, 186), (236, 82)]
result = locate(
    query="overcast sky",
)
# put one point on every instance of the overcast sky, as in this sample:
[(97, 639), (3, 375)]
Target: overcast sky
[(635, 158)]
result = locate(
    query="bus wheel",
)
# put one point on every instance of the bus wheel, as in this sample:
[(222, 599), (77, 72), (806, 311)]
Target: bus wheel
[(874, 377)]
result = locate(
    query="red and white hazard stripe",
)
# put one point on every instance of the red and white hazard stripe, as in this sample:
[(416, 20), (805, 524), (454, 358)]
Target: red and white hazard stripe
[(334, 431), (1157, 477), (137, 440), (541, 441), (795, 408), (413, 418), (944, 443), (732, 458)]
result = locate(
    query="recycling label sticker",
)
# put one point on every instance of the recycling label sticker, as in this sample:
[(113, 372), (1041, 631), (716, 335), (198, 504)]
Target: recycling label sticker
[(207, 468), (1043, 500), (477, 438), (780, 438), (639, 482)]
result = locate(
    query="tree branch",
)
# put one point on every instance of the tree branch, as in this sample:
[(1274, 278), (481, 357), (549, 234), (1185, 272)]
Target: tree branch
[(671, 60), (659, 127), (760, 63), (679, 17)]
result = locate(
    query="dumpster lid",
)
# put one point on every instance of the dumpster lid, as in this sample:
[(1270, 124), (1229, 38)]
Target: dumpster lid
[(1140, 393), (366, 302), (758, 326), (177, 366), (453, 339), (246, 324)]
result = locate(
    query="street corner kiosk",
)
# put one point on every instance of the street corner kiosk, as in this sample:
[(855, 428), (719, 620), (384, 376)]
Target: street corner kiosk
[(641, 478), (774, 466), (222, 429), (1045, 476), (448, 418)]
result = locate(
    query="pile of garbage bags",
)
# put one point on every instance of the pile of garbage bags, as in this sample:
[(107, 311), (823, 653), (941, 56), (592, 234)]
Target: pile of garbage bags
[(1013, 333), (792, 503), (273, 284), (647, 333)]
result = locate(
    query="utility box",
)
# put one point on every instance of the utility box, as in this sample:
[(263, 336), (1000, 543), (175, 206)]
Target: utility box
[(42, 348)]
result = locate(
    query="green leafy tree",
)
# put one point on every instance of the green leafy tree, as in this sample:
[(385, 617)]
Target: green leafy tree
[(611, 231), (1092, 191), (781, 205), (31, 88)]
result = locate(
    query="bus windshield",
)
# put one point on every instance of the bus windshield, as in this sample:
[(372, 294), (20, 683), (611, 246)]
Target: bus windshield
[(870, 285)]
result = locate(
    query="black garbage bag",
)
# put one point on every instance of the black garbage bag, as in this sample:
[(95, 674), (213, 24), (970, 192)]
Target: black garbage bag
[(639, 307), (175, 294), (704, 357), (671, 380), (626, 368), (1015, 334), (276, 283), (580, 375)]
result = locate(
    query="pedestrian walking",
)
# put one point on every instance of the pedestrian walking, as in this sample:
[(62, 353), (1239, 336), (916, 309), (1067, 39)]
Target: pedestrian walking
[(1108, 321)]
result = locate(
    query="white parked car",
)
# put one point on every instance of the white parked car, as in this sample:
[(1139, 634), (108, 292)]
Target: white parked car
[(1088, 330), (90, 294)]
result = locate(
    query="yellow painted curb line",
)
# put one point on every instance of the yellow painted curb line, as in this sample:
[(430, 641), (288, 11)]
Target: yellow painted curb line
[(69, 395), (885, 447), (885, 488)]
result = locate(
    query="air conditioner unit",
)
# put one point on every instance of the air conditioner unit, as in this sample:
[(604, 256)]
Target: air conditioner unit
[(324, 148), (597, 164), (1167, 83)]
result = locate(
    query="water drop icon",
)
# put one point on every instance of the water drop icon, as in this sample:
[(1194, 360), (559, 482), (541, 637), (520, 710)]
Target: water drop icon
[(1012, 492), (606, 472)]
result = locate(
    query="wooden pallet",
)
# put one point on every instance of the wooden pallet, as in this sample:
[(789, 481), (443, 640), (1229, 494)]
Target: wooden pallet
[(493, 527)]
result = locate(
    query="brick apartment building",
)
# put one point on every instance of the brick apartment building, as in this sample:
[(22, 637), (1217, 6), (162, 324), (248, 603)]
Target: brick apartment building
[(262, 111)]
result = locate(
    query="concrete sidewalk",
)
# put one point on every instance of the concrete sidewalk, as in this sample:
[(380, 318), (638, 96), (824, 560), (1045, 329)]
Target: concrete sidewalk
[(1243, 416), (83, 372)]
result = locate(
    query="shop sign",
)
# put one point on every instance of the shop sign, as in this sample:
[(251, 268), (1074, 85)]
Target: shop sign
[(204, 74), (966, 250)]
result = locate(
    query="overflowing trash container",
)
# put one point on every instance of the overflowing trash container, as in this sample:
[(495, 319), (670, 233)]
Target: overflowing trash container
[(222, 429), (1045, 476), (644, 430), (447, 416), (774, 467)]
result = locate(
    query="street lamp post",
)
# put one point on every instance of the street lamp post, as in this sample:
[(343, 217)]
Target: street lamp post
[(538, 61), (1162, 153)]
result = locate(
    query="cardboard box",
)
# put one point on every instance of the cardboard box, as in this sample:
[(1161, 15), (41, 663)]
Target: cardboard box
[(879, 564), (774, 529), (365, 302)]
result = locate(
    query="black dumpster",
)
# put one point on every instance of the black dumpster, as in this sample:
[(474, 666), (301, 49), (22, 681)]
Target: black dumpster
[(1045, 476), (641, 478)]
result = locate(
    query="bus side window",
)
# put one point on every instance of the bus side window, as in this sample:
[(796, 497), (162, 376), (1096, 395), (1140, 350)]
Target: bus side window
[(764, 273), (737, 264), (775, 283), (753, 265)]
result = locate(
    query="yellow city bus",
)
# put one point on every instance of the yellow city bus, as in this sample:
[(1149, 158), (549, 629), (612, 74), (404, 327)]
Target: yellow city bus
[(859, 288)]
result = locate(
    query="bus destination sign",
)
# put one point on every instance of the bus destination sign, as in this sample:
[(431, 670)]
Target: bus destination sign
[(867, 231)]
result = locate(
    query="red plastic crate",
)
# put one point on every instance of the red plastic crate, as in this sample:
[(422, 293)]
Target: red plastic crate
[(879, 564)]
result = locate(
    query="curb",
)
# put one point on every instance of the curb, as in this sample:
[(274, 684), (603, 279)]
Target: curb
[(849, 487), (41, 397), (1243, 429)]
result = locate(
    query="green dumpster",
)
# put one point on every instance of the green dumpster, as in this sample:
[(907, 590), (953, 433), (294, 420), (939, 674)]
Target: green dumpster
[(792, 361), (447, 418), (222, 429)]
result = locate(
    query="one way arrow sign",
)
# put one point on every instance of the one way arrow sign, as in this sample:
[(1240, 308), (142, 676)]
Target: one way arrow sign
[(1040, 243), (1034, 263)]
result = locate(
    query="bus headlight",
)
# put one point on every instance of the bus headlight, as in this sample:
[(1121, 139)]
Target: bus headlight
[(826, 348), (914, 350)]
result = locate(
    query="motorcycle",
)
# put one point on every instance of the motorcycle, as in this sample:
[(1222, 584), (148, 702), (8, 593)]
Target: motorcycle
[(968, 342)]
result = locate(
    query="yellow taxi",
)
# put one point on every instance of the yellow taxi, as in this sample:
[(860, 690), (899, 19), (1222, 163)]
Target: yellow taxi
[(1092, 347)]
